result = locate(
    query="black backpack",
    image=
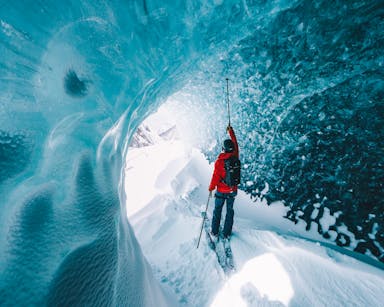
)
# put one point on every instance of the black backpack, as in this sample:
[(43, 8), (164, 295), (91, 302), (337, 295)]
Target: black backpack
[(232, 167)]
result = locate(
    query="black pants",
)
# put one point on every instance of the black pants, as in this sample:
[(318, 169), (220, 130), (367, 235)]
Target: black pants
[(220, 199)]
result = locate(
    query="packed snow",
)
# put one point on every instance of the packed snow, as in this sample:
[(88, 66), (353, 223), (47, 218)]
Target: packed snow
[(277, 262)]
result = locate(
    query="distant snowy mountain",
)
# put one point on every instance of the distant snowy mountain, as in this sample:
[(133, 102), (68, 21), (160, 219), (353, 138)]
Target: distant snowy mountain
[(277, 262), (143, 137), (152, 131)]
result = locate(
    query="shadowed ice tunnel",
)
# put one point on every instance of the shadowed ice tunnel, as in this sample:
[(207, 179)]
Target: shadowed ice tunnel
[(77, 78)]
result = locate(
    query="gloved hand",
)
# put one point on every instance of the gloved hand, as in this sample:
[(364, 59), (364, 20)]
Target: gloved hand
[(229, 127)]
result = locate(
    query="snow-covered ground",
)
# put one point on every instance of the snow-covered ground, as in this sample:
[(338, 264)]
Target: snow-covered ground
[(277, 262)]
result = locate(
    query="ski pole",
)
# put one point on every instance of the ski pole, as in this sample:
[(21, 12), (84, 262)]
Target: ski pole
[(229, 115), (202, 223)]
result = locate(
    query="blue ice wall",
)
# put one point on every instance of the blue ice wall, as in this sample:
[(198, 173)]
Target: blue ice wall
[(312, 80), (306, 95), (77, 78)]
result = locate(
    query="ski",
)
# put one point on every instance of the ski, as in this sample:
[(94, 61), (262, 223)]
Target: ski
[(228, 255), (220, 246)]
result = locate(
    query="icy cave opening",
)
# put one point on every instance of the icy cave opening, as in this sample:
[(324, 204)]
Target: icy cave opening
[(166, 178)]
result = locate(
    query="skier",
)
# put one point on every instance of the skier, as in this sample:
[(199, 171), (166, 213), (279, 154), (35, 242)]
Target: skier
[(224, 192)]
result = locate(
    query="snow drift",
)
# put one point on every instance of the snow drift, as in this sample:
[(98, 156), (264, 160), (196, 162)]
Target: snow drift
[(276, 262)]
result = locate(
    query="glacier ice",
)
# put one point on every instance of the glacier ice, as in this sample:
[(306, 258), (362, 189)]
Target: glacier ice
[(77, 78)]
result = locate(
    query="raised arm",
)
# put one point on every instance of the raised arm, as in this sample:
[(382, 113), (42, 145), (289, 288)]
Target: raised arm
[(234, 140)]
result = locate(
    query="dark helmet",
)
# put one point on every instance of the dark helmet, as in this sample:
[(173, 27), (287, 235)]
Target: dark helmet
[(228, 146)]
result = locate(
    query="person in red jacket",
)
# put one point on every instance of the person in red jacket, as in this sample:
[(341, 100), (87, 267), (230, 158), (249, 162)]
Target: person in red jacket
[(224, 193)]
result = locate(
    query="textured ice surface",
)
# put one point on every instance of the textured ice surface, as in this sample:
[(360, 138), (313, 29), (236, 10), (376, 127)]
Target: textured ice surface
[(77, 78)]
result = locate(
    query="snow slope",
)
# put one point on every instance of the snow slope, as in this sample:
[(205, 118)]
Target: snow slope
[(277, 264)]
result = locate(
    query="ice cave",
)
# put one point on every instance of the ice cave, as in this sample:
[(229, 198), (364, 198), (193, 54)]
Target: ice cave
[(78, 78)]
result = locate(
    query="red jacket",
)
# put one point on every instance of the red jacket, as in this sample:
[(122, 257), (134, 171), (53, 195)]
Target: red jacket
[(219, 171)]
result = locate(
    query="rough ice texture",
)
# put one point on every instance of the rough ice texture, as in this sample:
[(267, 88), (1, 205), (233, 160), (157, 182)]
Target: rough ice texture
[(63, 215), (307, 96)]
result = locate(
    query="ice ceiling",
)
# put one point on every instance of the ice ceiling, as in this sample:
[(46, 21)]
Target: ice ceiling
[(77, 78)]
